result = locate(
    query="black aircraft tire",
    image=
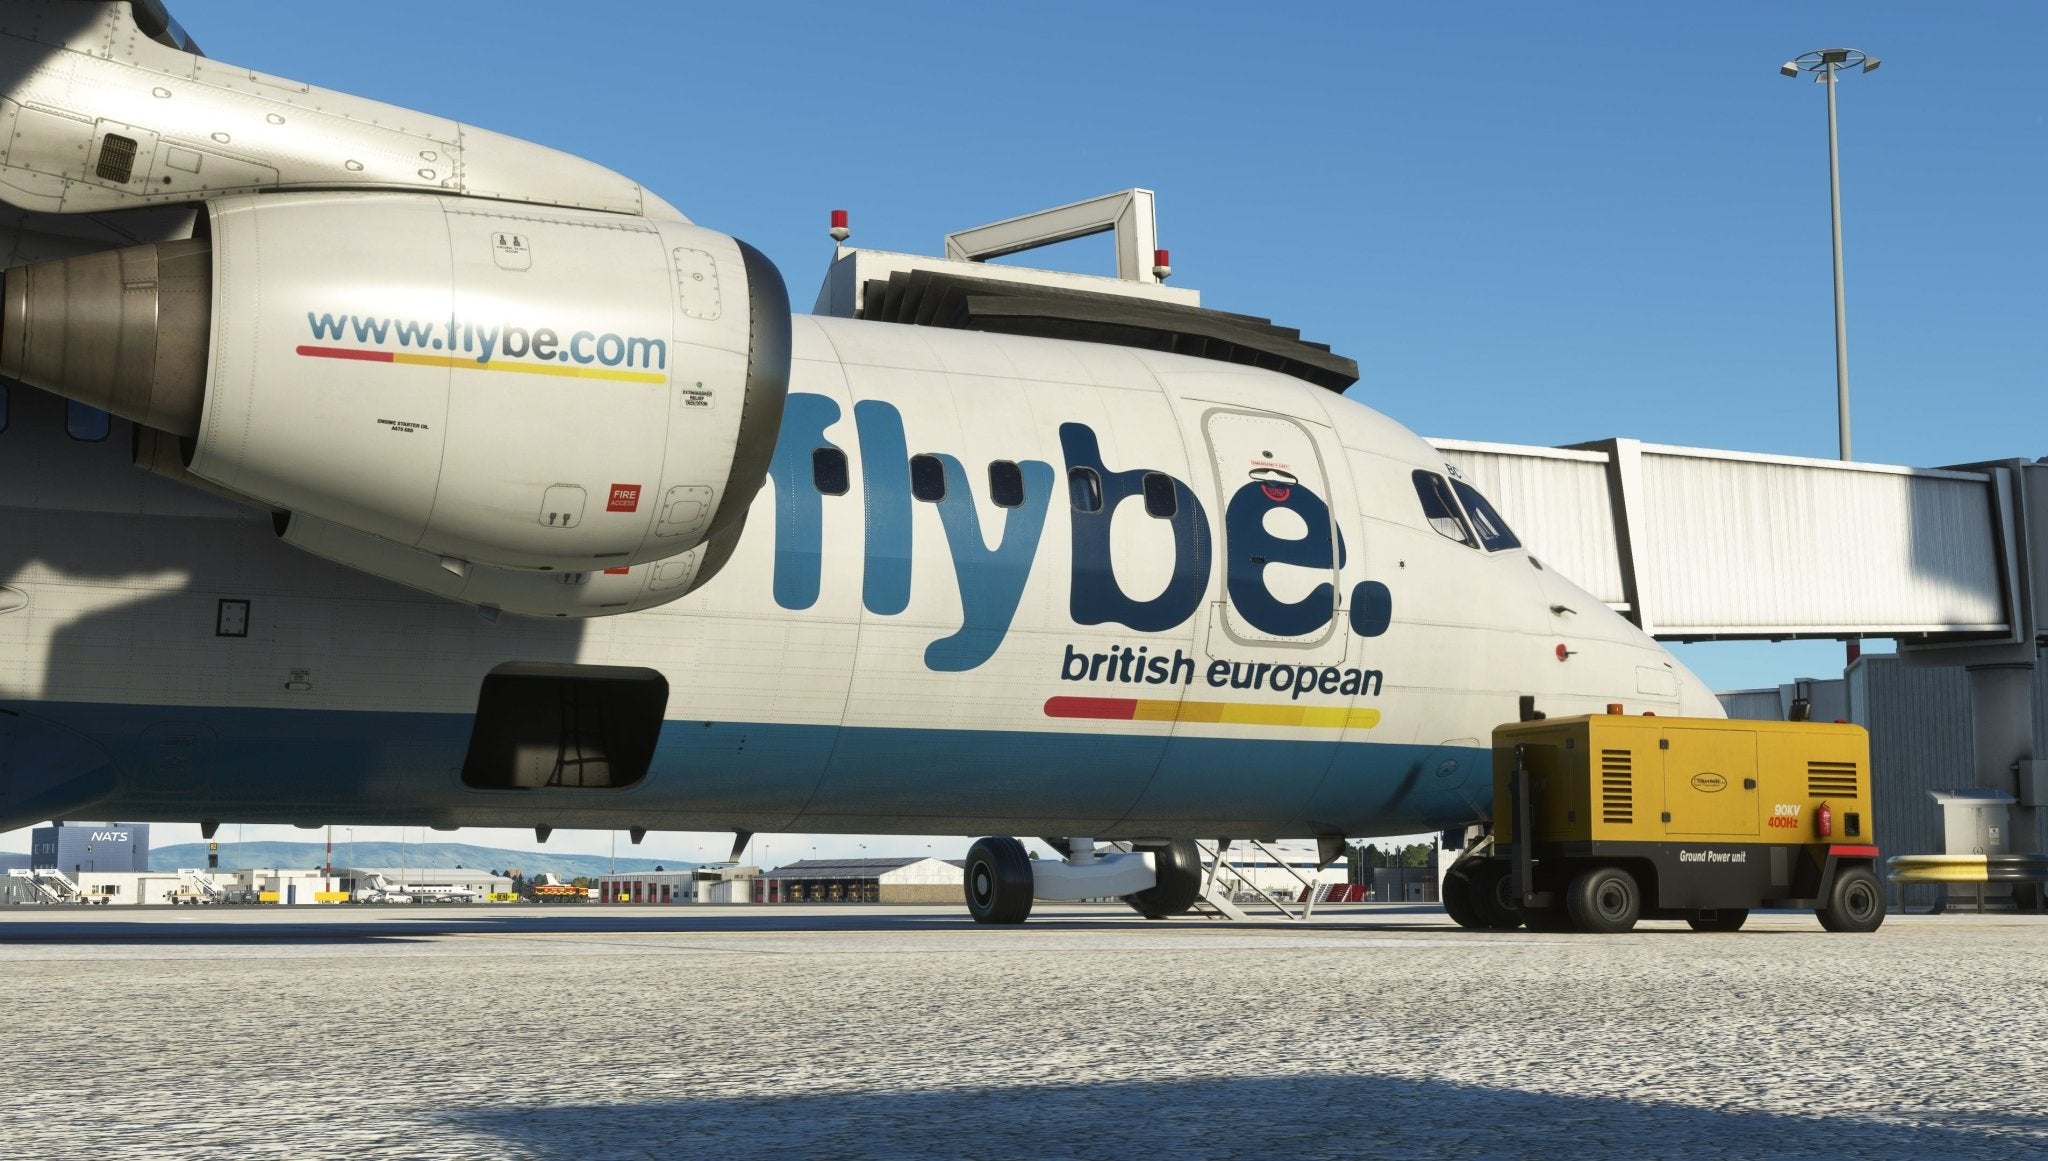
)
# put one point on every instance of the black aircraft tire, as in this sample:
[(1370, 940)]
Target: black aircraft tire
[(1855, 901), (1458, 898), (997, 881), (1177, 866), (1725, 919), (1604, 901), (1493, 901)]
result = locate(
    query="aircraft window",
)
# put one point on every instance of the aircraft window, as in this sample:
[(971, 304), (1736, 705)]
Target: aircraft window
[(1006, 484), (1441, 508), (927, 478), (1084, 489), (1493, 531), (1159, 496), (89, 424), (828, 470)]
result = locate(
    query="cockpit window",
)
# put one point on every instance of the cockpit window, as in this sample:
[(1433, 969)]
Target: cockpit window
[(1493, 531), (1440, 508)]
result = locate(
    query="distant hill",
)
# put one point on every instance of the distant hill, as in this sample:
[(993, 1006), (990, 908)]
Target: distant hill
[(10, 860), (242, 856)]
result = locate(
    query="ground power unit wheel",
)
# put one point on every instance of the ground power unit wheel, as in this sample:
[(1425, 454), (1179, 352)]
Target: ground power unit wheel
[(1457, 897), (1177, 871), (1855, 902), (1493, 896), (1604, 901), (998, 881)]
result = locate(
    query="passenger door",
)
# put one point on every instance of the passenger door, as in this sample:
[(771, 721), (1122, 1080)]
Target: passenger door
[(1280, 549)]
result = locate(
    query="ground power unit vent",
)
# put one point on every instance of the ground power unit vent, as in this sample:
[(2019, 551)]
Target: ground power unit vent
[(939, 298), (1617, 786), (1831, 779)]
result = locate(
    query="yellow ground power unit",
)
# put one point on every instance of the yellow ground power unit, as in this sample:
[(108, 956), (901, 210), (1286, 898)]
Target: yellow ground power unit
[(1603, 819)]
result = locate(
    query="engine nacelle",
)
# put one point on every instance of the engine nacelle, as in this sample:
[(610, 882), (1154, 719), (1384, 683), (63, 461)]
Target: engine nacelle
[(601, 593), (497, 385)]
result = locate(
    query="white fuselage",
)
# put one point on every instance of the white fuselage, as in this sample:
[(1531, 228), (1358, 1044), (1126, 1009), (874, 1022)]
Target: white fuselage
[(868, 661)]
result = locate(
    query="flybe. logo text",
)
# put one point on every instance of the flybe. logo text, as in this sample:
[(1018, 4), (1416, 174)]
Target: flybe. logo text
[(991, 581)]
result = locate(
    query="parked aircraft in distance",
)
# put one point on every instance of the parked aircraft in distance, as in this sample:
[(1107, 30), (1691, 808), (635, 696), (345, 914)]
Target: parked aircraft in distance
[(302, 384)]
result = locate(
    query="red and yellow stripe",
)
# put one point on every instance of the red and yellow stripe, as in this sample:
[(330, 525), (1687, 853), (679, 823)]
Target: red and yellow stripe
[(571, 370), (1138, 709)]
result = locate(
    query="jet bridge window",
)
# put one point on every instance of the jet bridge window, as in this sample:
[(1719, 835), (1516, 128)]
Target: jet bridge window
[(828, 471), (928, 478), (1441, 508), (1493, 531), (87, 424), (1006, 484)]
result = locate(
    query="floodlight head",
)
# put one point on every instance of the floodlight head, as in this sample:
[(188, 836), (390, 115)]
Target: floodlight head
[(1824, 63), (1870, 64)]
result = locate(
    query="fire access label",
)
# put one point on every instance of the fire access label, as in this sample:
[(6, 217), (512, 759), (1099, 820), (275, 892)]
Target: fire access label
[(625, 498)]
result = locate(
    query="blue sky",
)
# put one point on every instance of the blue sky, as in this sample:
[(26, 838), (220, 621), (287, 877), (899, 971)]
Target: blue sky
[(1528, 223)]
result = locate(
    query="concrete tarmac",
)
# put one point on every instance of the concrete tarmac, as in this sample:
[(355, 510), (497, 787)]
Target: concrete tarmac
[(865, 1031)]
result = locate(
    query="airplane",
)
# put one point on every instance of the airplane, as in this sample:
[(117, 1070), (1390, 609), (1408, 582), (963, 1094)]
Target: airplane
[(360, 467), (378, 889)]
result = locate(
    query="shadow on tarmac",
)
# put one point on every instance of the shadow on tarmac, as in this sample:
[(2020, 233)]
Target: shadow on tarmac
[(400, 925), (1283, 1116)]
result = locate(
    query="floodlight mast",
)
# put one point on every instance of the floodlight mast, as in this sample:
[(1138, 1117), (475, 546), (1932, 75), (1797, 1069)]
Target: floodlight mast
[(1825, 63)]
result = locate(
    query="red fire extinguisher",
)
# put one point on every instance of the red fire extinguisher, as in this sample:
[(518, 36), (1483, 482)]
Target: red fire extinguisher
[(1824, 820)]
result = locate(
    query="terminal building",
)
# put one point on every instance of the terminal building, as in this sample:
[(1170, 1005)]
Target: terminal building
[(712, 883), (86, 847)]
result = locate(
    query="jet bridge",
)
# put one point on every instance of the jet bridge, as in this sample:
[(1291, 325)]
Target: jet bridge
[(1695, 544)]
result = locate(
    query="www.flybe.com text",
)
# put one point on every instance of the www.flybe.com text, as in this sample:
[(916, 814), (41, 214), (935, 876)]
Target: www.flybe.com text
[(491, 341)]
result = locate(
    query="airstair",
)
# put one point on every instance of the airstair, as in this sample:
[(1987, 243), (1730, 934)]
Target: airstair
[(1226, 885), (199, 887), (48, 886)]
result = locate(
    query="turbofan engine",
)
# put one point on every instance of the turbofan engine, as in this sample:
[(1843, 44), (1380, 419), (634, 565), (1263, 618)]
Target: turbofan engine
[(491, 389)]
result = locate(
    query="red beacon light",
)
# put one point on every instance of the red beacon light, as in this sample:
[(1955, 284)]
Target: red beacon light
[(1614, 707), (839, 231), (1162, 269)]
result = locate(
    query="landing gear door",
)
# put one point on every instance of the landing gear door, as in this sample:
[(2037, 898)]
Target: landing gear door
[(1281, 551)]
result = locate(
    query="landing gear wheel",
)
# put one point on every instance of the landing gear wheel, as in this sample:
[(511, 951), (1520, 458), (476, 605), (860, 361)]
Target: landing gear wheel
[(1855, 903), (998, 881), (1177, 867), (1724, 919), (1604, 901), (1457, 895), (1493, 896)]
